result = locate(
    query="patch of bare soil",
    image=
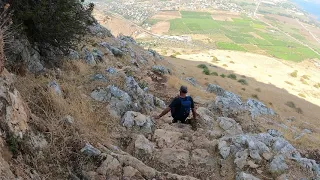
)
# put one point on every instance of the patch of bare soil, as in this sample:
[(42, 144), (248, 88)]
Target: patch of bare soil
[(224, 16), (117, 25), (167, 15), (160, 27)]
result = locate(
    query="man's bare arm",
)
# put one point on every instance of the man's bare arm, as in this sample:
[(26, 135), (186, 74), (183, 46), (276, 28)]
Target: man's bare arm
[(164, 112), (194, 113)]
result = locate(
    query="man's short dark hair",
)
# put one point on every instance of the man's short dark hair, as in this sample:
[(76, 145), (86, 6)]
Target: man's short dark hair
[(184, 89)]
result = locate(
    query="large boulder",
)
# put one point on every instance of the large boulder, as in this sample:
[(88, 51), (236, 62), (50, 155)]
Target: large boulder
[(257, 108), (278, 165), (206, 118), (213, 88), (166, 138), (174, 158), (115, 51), (14, 113), (201, 157), (110, 168), (99, 31), (230, 126), (143, 147), (119, 101), (137, 121), (160, 69)]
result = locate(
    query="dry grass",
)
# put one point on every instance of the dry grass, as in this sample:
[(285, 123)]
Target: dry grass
[(175, 83), (91, 120)]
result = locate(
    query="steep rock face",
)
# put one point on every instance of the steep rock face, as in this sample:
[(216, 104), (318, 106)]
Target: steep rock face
[(14, 111), (230, 104), (5, 172)]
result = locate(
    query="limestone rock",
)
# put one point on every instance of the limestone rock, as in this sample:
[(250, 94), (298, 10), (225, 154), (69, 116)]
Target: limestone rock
[(192, 81), (14, 111), (131, 173), (230, 126), (245, 176), (241, 159), (111, 168), (111, 71), (100, 31), (166, 138), (200, 157), (54, 86), (213, 88), (257, 108), (143, 147), (89, 58), (160, 69), (278, 165), (138, 121), (205, 117), (224, 149), (89, 150), (174, 158), (99, 77), (74, 55)]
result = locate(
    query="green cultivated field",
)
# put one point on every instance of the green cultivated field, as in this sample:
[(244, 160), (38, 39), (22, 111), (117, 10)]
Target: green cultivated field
[(242, 33)]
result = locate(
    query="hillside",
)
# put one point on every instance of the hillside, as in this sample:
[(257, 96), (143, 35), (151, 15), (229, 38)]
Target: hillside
[(89, 115)]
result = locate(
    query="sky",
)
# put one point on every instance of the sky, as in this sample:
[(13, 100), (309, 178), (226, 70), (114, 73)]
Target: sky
[(311, 6)]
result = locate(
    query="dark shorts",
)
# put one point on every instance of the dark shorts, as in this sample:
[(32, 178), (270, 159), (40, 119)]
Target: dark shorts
[(186, 121)]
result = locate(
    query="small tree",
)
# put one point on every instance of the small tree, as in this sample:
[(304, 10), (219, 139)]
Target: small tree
[(59, 23)]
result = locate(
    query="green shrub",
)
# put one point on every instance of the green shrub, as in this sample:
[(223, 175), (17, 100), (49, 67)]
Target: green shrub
[(243, 89), (223, 75), (255, 96), (294, 74), (214, 73), (206, 71), (258, 90), (214, 59), (225, 65), (304, 81), (317, 85), (255, 66), (202, 66), (302, 95), (232, 76), (305, 77), (173, 56), (143, 84), (291, 104), (289, 83), (232, 62), (57, 23), (243, 81)]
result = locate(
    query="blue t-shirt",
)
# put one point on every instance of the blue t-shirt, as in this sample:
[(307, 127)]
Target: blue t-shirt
[(176, 111)]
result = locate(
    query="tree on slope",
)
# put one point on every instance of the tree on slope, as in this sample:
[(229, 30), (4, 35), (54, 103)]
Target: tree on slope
[(59, 23)]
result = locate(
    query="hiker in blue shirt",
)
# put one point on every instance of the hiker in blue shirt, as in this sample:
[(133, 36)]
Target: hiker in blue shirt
[(180, 108)]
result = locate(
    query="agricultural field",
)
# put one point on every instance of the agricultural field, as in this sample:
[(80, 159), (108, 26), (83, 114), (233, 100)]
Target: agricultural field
[(245, 34)]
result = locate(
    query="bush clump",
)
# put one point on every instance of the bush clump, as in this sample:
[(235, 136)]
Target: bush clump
[(294, 74), (232, 76), (223, 75), (243, 81), (202, 66), (317, 85), (214, 74), (57, 23), (206, 71)]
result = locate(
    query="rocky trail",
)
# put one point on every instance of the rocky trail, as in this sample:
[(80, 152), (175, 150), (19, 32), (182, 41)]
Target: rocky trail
[(128, 83)]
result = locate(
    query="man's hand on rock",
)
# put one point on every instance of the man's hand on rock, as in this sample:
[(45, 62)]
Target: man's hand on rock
[(156, 116)]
